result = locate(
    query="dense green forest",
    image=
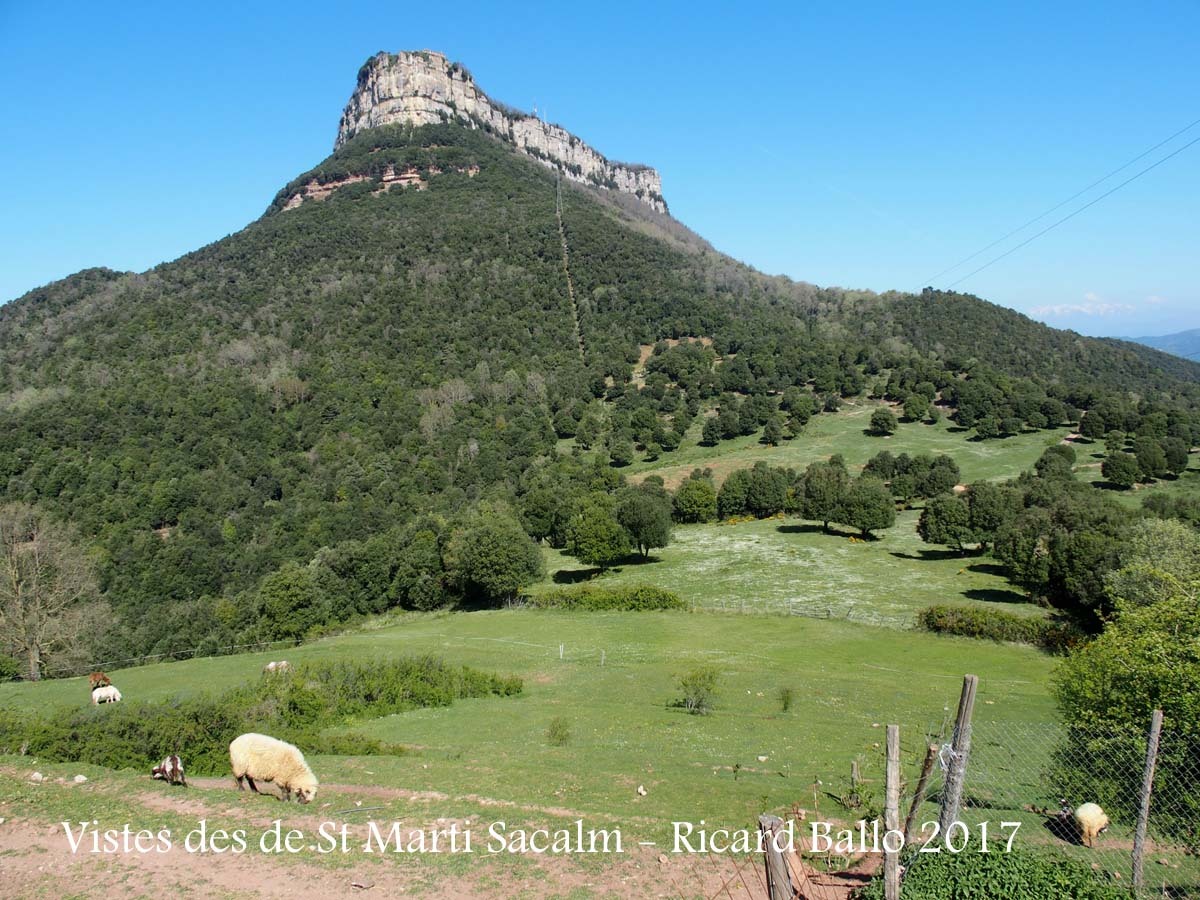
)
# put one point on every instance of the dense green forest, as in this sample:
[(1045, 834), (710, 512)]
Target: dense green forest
[(309, 415)]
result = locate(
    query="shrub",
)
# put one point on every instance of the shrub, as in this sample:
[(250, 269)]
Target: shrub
[(9, 668), (1019, 875), (699, 686), (296, 706), (997, 625), (589, 598), (786, 696), (558, 733)]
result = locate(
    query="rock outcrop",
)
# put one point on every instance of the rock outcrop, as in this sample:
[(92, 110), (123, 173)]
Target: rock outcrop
[(425, 88)]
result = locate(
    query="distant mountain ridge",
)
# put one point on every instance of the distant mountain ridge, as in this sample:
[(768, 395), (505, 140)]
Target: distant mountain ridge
[(1181, 343)]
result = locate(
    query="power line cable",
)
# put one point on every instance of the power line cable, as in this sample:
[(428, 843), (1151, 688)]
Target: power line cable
[(1072, 215), (1059, 206)]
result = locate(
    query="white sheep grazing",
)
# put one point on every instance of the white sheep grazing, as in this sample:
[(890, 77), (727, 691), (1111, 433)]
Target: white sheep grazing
[(106, 694), (257, 756), (282, 666), (1090, 819)]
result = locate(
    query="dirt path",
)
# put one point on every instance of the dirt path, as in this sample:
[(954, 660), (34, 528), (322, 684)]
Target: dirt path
[(36, 860)]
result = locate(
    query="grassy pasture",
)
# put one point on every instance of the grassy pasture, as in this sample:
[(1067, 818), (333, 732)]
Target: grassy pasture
[(771, 564), (848, 679), (843, 432)]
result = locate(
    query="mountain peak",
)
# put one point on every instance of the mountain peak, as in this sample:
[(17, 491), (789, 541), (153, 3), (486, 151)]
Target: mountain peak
[(424, 87)]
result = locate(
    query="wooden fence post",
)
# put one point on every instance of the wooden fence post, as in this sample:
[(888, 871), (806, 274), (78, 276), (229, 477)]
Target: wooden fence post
[(1139, 836), (891, 815), (779, 881), (960, 748), (919, 796)]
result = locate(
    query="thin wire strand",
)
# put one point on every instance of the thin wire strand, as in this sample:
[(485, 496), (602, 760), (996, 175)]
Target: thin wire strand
[(1059, 206), (1072, 215)]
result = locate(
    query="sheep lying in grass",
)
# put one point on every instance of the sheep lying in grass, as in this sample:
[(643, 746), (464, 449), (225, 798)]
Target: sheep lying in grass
[(257, 756), (106, 694), (1090, 819), (170, 770), (282, 666)]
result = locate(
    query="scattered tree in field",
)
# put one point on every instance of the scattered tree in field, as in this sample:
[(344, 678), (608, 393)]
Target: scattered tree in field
[(946, 519), (710, 436), (645, 512), (766, 491), (1177, 452), (696, 500), (594, 536), (882, 422), (1056, 462), (1121, 469), (1064, 541), (772, 433), (1091, 426), (824, 485), (987, 427), (916, 407), (729, 421), (992, 507), (868, 506), (45, 585), (731, 498), (493, 558), (1152, 460), (620, 451)]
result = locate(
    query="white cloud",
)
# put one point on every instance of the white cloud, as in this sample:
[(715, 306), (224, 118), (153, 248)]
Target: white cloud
[(1092, 306), (1154, 300)]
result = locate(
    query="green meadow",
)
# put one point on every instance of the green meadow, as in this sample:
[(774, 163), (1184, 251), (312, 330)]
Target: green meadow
[(612, 679), (788, 565), (844, 433)]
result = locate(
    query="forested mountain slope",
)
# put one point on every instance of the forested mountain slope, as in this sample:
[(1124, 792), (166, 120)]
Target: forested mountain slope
[(394, 338)]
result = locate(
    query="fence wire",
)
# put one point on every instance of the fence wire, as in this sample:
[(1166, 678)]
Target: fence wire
[(1032, 776), (1038, 774)]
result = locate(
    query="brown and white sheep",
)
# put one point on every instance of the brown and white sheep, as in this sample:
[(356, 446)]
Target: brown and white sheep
[(106, 694), (98, 679), (170, 770), (263, 758)]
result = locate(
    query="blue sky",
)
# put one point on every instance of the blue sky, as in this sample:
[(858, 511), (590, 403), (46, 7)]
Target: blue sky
[(868, 145)]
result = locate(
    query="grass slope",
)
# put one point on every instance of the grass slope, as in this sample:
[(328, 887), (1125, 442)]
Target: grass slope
[(848, 679), (843, 433), (778, 565)]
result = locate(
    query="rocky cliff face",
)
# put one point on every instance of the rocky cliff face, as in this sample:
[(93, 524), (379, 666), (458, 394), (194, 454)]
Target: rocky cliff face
[(425, 88)]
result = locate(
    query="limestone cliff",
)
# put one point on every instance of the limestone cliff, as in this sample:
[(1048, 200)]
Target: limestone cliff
[(425, 88)]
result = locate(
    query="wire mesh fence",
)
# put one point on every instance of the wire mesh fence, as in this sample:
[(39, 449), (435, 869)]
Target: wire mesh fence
[(813, 608), (1027, 788), (1041, 775)]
